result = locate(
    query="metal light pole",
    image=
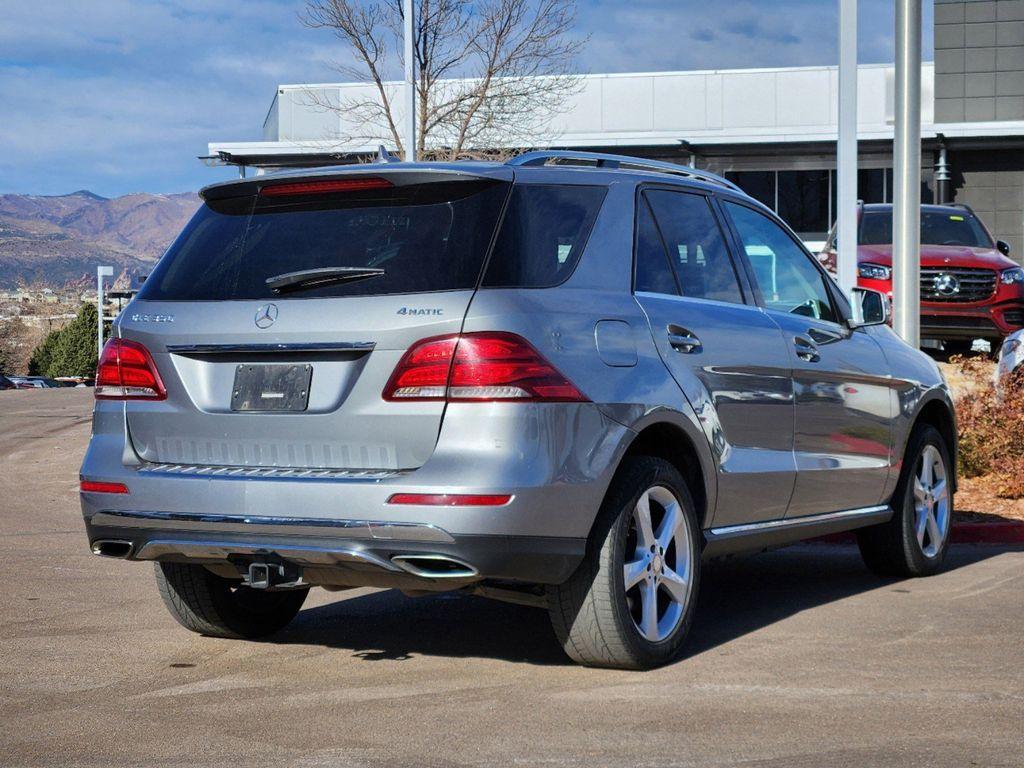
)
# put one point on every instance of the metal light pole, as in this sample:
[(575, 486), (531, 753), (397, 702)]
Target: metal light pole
[(409, 132), (846, 149), (906, 231), (101, 272)]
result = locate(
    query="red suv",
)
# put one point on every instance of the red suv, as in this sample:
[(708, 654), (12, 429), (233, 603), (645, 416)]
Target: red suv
[(970, 289)]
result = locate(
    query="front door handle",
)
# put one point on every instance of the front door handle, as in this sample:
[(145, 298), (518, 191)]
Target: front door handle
[(683, 340), (806, 350)]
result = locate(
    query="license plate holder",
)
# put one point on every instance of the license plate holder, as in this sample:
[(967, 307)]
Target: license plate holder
[(271, 387)]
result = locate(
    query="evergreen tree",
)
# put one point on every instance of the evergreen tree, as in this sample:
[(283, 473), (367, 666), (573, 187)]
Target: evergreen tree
[(74, 351), (42, 356)]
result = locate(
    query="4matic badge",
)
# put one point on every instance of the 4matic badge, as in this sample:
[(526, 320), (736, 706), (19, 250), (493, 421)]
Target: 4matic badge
[(420, 311)]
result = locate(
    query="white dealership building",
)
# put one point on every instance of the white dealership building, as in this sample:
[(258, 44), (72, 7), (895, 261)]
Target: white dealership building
[(773, 130)]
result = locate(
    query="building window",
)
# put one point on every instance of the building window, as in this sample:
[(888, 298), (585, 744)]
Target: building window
[(873, 184), (804, 202), (760, 185)]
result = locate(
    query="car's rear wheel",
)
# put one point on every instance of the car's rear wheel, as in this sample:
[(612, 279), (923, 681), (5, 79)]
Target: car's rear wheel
[(630, 603), (914, 542), (212, 605)]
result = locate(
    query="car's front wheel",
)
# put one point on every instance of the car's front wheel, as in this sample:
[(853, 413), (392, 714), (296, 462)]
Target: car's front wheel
[(630, 603), (212, 605), (915, 540)]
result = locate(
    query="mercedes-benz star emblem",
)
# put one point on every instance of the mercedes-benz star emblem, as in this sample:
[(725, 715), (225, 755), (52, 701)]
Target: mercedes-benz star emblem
[(946, 285), (266, 315)]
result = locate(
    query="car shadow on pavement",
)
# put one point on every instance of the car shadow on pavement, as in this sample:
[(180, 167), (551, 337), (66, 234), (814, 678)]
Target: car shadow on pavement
[(739, 595)]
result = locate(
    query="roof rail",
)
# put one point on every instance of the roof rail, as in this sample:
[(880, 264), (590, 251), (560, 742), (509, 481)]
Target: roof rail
[(625, 162)]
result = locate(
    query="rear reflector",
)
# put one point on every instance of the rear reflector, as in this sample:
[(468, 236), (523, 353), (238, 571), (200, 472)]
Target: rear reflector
[(451, 499), (95, 486), (324, 187), (486, 366), (127, 372)]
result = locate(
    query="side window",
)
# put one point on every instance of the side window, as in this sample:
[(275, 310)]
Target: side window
[(695, 244), (785, 274), (653, 273), (543, 235)]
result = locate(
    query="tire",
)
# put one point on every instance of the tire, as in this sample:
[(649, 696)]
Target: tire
[(212, 605), (894, 548), (596, 617)]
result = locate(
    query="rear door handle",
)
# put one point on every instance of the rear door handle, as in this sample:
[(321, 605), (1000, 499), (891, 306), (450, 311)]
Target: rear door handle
[(683, 340), (806, 350)]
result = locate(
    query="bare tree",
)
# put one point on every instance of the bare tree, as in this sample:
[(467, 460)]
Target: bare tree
[(491, 74)]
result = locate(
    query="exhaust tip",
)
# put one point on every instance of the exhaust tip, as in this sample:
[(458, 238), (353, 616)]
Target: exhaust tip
[(435, 566), (112, 548)]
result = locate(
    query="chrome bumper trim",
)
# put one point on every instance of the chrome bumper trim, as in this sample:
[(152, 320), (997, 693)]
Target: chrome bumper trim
[(266, 473), (218, 551), (228, 349), (289, 526)]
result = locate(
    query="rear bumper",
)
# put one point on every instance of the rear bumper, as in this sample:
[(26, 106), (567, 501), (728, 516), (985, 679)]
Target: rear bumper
[(351, 553), (554, 460)]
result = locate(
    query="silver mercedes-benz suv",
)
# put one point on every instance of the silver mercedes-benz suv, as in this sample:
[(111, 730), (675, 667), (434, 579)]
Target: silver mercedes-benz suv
[(564, 381)]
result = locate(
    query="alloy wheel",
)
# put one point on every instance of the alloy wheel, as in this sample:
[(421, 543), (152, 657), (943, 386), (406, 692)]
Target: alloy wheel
[(658, 572), (931, 502)]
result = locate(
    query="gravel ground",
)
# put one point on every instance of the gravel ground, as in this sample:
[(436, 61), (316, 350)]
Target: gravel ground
[(799, 658)]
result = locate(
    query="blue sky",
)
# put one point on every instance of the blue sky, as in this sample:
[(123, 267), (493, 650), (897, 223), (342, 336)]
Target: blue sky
[(119, 96)]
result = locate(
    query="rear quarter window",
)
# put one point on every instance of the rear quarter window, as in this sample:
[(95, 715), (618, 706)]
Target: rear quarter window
[(543, 234)]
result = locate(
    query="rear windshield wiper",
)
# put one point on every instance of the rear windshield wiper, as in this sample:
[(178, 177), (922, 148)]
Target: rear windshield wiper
[(314, 278)]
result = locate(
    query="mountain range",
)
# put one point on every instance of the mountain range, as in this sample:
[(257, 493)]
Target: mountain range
[(56, 240)]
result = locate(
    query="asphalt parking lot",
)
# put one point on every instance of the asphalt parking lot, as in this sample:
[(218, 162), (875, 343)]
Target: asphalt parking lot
[(798, 658)]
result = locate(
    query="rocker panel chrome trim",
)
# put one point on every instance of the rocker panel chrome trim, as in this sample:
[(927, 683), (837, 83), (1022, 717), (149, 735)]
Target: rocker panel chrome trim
[(795, 522)]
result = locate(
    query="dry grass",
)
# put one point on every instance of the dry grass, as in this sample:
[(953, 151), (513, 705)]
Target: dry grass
[(991, 460)]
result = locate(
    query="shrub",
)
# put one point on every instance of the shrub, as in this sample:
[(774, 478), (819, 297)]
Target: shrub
[(990, 428)]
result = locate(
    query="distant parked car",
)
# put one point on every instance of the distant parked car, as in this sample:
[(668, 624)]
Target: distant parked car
[(1011, 360), (6, 383), (35, 382), (970, 288), (74, 381)]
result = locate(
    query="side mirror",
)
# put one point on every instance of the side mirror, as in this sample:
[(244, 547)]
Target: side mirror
[(1003, 247), (869, 308)]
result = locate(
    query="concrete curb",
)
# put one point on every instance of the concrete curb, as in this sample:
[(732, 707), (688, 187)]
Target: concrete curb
[(1008, 532)]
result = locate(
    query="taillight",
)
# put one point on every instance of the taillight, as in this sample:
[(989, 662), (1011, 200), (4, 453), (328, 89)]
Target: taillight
[(127, 372), (483, 366), (324, 187), (97, 486)]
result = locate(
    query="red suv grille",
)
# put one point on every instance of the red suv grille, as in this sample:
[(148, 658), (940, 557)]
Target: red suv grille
[(959, 285)]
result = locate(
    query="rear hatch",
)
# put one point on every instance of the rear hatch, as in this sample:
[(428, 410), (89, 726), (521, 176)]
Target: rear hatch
[(290, 373)]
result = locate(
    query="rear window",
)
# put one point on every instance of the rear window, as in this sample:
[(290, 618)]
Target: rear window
[(426, 237), (937, 228), (543, 234)]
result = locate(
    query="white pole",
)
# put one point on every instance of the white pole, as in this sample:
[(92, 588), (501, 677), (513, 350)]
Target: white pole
[(906, 273), (101, 272), (409, 132), (846, 149)]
